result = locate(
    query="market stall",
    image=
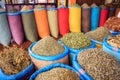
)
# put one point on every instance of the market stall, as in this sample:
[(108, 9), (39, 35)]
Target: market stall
[(67, 38)]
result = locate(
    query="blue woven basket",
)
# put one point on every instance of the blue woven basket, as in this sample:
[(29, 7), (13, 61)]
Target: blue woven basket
[(79, 68), (51, 66)]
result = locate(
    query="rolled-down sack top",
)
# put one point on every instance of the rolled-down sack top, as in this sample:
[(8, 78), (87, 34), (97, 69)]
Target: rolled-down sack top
[(29, 24), (75, 18), (41, 22), (5, 35), (85, 18), (94, 18), (103, 15), (53, 21), (63, 20), (16, 27)]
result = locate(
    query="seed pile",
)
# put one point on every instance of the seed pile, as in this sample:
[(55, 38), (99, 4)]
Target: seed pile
[(98, 34), (58, 74), (99, 65), (75, 40), (13, 60), (113, 23), (47, 46), (114, 41)]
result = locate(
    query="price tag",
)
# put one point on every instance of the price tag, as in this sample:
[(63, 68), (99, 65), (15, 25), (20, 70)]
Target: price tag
[(118, 15)]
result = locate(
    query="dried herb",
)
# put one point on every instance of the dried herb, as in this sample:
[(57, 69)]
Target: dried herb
[(98, 34), (13, 60)]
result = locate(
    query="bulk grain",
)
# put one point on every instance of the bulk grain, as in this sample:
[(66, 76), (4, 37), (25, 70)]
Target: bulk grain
[(99, 65), (48, 51), (98, 34), (75, 40), (47, 47), (58, 74)]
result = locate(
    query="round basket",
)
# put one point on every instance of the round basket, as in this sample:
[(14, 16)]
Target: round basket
[(41, 61)]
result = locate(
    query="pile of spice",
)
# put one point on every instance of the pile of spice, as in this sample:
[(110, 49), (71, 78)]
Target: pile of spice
[(75, 40), (113, 23), (58, 74), (98, 34), (47, 46), (13, 60), (99, 65), (114, 41)]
